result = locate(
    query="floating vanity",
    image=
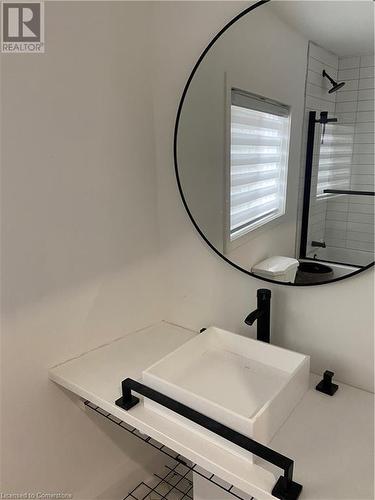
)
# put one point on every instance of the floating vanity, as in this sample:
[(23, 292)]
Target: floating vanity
[(329, 438)]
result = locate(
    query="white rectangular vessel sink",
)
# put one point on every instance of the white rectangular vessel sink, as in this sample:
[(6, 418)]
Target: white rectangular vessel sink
[(248, 385)]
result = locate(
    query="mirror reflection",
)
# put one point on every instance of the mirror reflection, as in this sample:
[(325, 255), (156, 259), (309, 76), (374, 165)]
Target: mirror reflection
[(275, 142)]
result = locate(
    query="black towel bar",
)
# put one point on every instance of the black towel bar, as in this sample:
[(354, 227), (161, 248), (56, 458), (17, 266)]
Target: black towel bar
[(349, 191), (284, 489)]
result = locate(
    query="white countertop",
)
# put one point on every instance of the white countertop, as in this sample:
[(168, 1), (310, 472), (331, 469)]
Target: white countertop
[(330, 438)]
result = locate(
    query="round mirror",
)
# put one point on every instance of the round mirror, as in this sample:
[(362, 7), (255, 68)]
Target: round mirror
[(274, 141)]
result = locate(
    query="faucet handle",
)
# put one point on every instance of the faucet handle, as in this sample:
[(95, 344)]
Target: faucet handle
[(328, 376), (326, 386)]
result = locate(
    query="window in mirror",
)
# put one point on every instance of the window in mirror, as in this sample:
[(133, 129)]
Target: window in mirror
[(259, 150)]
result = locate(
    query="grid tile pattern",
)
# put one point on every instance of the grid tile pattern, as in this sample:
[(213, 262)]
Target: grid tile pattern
[(175, 484)]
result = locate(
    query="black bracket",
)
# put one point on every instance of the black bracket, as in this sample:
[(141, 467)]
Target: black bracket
[(284, 489), (326, 386), (127, 399)]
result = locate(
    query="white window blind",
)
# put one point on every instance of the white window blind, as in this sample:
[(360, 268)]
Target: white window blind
[(259, 151), (335, 158)]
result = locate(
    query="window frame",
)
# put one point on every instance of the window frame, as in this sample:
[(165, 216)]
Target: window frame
[(273, 219)]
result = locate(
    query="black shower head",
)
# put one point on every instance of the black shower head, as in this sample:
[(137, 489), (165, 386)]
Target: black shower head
[(335, 85)]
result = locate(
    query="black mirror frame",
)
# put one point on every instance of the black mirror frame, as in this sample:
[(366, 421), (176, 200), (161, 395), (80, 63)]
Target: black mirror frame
[(179, 111)]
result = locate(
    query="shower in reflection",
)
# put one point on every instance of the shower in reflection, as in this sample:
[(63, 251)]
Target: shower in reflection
[(335, 85)]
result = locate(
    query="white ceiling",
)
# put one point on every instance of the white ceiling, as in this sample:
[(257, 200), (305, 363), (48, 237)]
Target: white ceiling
[(345, 27)]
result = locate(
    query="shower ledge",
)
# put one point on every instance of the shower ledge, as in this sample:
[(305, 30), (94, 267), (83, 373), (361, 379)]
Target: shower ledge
[(317, 435)]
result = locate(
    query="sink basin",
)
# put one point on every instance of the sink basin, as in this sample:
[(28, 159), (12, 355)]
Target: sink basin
[(248, 385)]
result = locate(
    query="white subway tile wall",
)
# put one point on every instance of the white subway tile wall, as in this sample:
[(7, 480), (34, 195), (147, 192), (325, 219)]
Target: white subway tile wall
[(349, 228), (343, 157)]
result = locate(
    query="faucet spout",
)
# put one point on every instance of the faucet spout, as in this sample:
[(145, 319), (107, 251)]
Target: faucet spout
[(252, 317), (262, 314)]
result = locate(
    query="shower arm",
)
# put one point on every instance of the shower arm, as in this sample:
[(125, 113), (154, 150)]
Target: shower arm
[(329, 78)]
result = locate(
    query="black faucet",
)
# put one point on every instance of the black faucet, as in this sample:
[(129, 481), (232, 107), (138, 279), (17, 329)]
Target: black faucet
[(262, 314)]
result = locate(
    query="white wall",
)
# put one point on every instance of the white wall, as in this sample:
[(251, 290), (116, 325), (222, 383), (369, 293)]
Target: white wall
[(333, 323), (79, 241)]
